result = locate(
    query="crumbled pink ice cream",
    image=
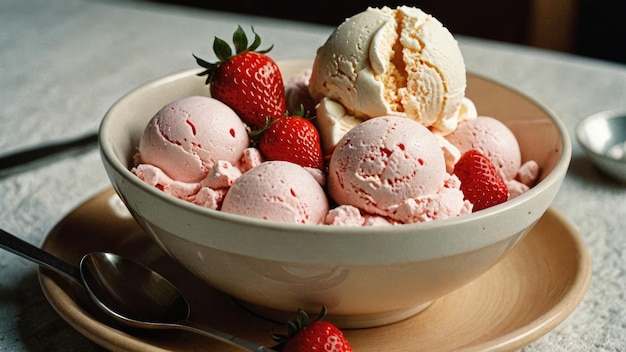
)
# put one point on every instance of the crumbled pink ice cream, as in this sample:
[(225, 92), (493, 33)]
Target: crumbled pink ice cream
[(251, 157), (347, 215), (155, 177), (446, 203), (209, 197), (527, 175), (222, 175)]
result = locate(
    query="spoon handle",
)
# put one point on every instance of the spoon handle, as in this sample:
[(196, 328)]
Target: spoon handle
[(44, 150), (222, 336), (26, 250)]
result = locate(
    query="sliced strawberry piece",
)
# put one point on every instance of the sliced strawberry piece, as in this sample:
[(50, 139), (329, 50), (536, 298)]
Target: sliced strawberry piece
[(481, 184)]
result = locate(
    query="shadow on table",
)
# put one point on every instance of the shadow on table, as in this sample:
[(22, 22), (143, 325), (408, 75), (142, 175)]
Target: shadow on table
[(41, 328), (582, 168)]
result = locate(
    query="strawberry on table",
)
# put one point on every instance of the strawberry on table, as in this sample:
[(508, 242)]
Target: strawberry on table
[(248, 81), (481, 184), (292, 138), (317, 335)]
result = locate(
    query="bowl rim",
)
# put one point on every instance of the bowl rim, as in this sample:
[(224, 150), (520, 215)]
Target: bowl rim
[(108, 155), (582, 133)]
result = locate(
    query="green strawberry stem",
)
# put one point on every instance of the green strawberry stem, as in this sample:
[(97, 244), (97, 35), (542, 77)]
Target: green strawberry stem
[(255, 133), (224, 52), (294, 326)]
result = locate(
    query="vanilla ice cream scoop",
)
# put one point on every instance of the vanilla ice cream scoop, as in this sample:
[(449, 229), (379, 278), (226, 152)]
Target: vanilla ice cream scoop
[(386, 61)]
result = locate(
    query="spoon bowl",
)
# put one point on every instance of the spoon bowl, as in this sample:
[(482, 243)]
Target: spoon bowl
[(126, 290), (151, 299)]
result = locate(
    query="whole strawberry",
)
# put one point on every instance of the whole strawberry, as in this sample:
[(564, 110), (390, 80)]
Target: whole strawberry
[(481, 184), (248, 81), (318, 335), (292, 138)]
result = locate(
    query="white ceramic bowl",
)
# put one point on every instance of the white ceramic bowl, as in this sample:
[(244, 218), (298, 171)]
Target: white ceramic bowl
[(365, 276)]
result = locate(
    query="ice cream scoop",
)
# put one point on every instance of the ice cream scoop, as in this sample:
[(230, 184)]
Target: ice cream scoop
[(186, 137), (394, 167), (493, 139), (278, 191), (387, 61)]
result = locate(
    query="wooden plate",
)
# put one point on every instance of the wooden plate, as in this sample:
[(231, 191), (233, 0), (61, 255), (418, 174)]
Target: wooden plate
[(519, 300)]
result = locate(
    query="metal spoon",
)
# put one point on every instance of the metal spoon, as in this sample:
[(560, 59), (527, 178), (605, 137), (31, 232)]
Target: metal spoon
[(128, 291)]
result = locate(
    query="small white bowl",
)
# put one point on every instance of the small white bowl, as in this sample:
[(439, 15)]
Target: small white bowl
[(603, 137), (365, 276)]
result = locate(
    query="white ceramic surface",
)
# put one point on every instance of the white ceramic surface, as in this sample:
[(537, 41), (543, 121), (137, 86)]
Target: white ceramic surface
[(365, 276)]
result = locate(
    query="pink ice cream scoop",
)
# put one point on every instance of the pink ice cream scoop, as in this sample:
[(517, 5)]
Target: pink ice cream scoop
[(278, 191), (186, 137), (491, 138), (394, 167), (495, 140)]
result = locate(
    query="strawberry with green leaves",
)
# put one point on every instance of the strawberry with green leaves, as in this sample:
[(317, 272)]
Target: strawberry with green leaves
[(481, 183), (292, 138), (248, 81), (318, 335)]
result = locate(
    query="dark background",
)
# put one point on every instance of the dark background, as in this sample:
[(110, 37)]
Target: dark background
[(594, 28)]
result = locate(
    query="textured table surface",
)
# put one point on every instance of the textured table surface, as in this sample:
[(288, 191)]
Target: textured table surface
[(64, 62)]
